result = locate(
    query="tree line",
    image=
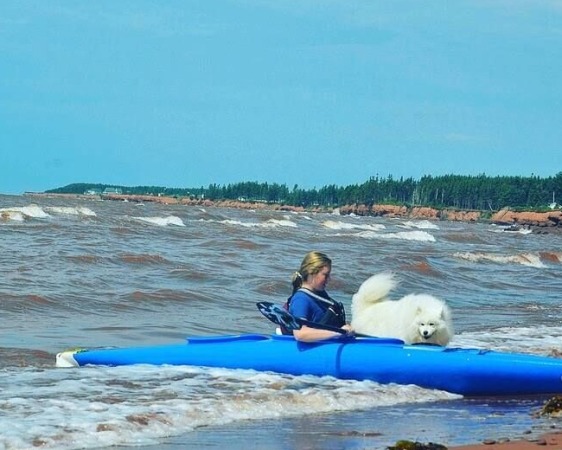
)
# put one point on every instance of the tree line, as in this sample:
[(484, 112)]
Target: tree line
[(449, 191)]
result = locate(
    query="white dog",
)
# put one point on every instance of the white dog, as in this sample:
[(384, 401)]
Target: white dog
[(415, 318)]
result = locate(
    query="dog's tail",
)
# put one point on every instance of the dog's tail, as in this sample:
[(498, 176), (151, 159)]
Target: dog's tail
[(374, 289)]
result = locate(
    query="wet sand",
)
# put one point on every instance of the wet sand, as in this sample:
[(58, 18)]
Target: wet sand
[(458, 425), (550, 440), (270, 438)]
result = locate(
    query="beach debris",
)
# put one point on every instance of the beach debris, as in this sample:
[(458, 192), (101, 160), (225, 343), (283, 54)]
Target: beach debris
[(410, 445)]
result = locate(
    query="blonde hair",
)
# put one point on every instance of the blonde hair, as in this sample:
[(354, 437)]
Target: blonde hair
[(312, 263)]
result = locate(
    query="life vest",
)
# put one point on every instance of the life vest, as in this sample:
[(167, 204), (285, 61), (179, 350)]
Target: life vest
[(333, 316)]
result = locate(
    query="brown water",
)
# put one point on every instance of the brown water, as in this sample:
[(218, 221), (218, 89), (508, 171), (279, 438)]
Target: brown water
[(91, 273)]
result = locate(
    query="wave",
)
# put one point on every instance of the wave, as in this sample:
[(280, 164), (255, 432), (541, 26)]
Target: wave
[(19, 214), (421, 224), (23, 212), (511, 230), (132, 258), (337, 225), (419, 236), (160, 295), (555, 257), (525, 259), (270, 223), (97, 407), (9, 215), (71, 211), (162, 221), (27, 303), (537, 340)]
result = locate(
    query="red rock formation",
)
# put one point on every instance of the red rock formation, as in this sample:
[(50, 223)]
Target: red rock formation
[(390, 211), (423, 212), (532, 219), (461, 216)]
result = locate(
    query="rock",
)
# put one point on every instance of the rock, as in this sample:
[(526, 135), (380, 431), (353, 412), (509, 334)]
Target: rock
[(461, 216), (389, 210), (527, 218), (553, 407), (424, 213)]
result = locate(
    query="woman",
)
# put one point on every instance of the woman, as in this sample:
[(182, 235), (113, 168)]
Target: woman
[(311, 302)]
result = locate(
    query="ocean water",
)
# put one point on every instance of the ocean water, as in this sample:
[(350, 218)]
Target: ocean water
[(90, 273)]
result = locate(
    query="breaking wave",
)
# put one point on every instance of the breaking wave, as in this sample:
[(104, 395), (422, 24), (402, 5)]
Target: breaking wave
[(525, 259)]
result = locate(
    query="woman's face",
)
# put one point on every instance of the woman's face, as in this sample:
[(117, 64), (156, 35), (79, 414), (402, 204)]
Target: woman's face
[(319, 280)]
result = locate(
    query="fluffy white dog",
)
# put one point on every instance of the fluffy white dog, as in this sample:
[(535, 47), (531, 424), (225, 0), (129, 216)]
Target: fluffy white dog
[(415, 318)]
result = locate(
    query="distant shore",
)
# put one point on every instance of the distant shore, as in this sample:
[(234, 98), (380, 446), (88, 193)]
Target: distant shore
[(537, 222)]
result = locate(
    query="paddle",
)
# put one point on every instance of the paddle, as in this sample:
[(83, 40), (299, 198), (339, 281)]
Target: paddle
[(282, 317)]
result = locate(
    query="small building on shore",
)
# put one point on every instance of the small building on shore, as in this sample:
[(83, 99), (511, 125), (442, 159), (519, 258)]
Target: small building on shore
[(112, 190)]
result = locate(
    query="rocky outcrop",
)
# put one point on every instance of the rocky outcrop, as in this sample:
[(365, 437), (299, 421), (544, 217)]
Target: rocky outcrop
[(423, 212), (461, 216), (141, 198), (389, 211), (528, 219), (417, 212), (374, 210), (551, 220)]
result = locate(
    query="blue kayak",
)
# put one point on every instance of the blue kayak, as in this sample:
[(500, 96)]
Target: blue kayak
[(465, 371)]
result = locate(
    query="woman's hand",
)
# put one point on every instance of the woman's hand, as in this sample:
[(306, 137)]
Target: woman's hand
[(349, 331)]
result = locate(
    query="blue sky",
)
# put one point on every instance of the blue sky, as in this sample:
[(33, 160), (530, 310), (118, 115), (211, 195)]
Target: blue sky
[(185, 93)]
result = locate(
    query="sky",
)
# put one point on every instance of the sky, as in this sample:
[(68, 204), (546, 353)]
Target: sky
[(187, 93)]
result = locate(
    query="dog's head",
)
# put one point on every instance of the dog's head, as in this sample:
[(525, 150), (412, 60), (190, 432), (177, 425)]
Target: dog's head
[(427, 329), (430, 322)]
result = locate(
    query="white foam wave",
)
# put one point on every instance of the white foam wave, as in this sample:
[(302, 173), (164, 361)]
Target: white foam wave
[(271, 223), (420, 236), (7, 215), (93, 407), (525, 259), (511, 230), (31, 212), (337, 225), (71, 211), (36, 212), (162, 221), (538, 340), (421, 225), (282, 223)]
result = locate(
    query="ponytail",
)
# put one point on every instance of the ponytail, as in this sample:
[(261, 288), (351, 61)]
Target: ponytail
[(296, 281)]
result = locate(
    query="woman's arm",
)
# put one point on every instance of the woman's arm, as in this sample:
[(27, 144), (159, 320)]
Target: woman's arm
[(308, 334)]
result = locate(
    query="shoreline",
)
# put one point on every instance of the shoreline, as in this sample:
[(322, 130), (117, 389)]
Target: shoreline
[(536, 222), (551, 439)]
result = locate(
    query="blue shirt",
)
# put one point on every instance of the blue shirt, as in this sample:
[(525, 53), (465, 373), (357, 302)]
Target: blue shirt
[(305, 307)]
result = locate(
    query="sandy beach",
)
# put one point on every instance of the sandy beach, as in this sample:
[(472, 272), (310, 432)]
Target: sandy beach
[(550, 440)]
